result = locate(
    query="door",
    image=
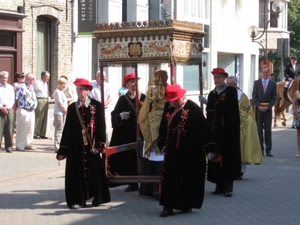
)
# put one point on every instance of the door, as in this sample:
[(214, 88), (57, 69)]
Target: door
[(7, 62)]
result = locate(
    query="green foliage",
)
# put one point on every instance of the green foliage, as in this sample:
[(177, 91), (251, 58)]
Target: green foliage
[(294, 28)]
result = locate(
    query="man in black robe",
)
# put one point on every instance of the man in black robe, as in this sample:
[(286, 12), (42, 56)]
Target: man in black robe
[(85, 174), (185, 137), (223, 115), (124, 123)]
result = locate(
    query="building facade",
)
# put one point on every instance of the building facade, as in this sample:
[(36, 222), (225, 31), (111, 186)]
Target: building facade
[(36, 35), (226, 44)]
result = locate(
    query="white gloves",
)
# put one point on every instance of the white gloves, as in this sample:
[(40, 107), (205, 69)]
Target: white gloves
[(202, 99), (124, 115), (211, 155)]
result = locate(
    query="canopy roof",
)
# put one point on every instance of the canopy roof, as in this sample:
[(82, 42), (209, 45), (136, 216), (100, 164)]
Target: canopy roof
[(150, 42)]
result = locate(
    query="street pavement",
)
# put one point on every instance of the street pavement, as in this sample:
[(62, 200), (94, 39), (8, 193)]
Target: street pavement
[(32, 192)]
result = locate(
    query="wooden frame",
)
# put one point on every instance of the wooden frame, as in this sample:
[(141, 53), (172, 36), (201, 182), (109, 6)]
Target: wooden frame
[(147, 42)]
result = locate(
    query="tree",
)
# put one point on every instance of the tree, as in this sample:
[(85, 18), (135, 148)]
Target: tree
[(293, 27)]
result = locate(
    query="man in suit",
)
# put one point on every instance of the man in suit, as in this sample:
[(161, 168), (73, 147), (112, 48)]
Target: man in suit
[(264, 96), (292, 70)]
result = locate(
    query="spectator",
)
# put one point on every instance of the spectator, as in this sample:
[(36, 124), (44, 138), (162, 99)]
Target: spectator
[(19, 79), (6, 110), (124, 123), (26, 103), (185, 137), (264, 97), (95, 93), (85, 173), (223, 116), (122, 91), (41, 112), (60, 111)]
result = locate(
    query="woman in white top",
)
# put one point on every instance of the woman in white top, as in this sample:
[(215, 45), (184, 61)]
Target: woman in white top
[(60, 110)]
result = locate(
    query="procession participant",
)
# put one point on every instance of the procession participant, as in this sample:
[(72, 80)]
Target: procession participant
[(223, 116), (82, 140), (250, 146), (149, 121), (185, 137), (124, 122)]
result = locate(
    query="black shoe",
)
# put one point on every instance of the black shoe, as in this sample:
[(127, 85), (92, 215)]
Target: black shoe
[(184, 211), (228, 194), (166, 212), (132, 187), (269, 154), (36, 137), (44, 137), (95, 203)]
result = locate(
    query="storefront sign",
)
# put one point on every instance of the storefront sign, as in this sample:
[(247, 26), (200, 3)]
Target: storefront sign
[(86, 16)]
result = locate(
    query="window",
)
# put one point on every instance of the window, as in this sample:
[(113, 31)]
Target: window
[(6, 39), (191, 76), (274, 21), (196, 9)]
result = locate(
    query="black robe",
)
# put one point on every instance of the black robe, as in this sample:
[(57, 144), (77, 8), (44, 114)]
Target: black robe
[(85, 174), (183, 174), (124, 132), (224, 118)]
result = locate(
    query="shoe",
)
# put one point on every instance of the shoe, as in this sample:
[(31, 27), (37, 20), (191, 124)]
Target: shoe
[(36, 137), (269, 154), (184, 211), (75, 206), (44, 137), (166, 212), (297, 156), (95, 203), (132, 187), (217, 192), (239, 178), (20, 149), (30, 148), (228, 194), (9, 150)]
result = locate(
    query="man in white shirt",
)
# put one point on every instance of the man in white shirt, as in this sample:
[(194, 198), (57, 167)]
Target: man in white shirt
[(41, 112), (7, 100), (95, 93)]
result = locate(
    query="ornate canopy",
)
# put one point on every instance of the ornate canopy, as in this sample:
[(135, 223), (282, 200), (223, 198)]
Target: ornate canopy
[(150, 42)]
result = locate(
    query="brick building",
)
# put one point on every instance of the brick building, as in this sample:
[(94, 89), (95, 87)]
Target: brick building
[(36, 35)]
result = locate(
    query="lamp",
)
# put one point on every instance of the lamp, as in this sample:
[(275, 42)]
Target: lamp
[(253, 31)]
